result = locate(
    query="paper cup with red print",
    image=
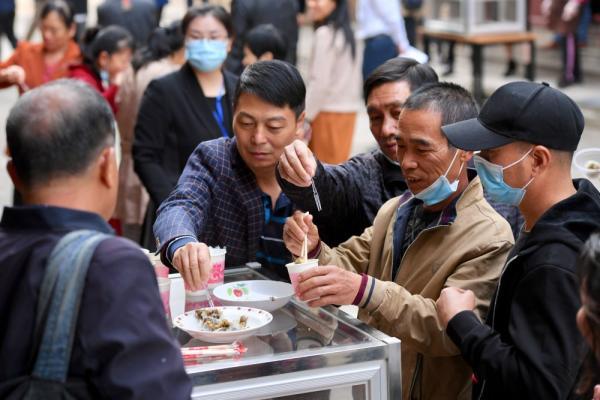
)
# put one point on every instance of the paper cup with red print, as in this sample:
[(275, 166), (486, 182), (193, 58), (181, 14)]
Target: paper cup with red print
[(217, 259), (295, 269), (217, 272)]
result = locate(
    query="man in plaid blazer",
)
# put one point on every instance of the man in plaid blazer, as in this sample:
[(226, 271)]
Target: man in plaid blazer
[(228, 194)]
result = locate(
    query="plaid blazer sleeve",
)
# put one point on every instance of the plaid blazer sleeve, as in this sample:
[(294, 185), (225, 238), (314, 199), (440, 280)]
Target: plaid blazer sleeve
[(184, 212)]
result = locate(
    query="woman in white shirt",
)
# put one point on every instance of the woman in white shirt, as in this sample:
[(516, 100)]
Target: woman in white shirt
[(333, 90), (381, 26)]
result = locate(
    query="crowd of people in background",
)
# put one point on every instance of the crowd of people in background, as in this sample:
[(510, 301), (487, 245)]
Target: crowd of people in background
[(462, 233)]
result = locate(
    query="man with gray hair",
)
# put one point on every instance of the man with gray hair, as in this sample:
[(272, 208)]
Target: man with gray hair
[(61, 141), (441, 232)]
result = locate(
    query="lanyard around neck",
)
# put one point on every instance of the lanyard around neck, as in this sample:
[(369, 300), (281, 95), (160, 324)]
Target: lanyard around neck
[(219, 114)]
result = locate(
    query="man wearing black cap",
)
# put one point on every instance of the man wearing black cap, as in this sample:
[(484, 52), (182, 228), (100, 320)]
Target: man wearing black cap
[(529, 347)]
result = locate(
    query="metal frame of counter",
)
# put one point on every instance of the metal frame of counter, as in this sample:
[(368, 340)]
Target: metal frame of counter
[(336, 351)]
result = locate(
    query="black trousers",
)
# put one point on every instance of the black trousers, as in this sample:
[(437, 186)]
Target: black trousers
[(6, 27)]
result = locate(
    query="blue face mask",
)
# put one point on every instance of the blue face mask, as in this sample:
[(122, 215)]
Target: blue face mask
[(206, 55), (441, 189), (105, 78), (492, 179)]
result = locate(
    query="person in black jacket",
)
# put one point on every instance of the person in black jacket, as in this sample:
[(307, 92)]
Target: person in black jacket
[(529, 346), (247, 14), (184, 108), (139, 17)]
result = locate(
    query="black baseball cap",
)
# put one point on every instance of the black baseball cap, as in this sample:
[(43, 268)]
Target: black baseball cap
[(521, 111)]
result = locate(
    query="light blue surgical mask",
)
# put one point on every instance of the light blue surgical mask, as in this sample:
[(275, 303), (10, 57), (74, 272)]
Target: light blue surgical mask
[(441, 189), (105, 78), (206, 55), (492, 179)]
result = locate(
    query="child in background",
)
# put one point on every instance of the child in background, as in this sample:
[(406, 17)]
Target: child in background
[(264, 43), (106, 55)]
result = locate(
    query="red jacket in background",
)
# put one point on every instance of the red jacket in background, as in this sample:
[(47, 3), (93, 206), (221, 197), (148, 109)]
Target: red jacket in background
[(84, 73)]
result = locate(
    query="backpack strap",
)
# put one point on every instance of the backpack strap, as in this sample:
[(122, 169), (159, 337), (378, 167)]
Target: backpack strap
[(59, 301)]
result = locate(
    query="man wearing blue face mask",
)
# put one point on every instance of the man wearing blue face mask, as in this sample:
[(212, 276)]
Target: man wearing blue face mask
[(440, 233), (529, 346)]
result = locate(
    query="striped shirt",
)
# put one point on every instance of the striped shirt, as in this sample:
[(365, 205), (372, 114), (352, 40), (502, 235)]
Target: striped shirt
[(272, 253)]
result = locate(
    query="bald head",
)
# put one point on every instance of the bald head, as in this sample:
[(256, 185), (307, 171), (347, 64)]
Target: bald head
[(57, 130)]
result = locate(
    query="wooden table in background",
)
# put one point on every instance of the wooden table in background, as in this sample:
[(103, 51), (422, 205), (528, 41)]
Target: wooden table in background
[(477, 43)]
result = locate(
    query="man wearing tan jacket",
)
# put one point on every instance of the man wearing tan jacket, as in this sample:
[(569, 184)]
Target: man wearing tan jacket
[(441, 233)]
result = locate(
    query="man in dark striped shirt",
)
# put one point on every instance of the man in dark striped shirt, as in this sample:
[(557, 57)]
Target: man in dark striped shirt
[(228, 194)]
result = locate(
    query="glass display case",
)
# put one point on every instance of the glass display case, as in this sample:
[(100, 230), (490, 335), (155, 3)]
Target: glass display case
[(476, 16), (304, 353)]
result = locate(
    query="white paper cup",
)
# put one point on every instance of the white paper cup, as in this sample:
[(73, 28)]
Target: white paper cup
[(164, 287), (295, 269)]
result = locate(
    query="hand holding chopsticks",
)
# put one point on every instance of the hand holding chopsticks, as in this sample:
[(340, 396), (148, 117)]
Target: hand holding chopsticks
[(298, 166), (298, 229)]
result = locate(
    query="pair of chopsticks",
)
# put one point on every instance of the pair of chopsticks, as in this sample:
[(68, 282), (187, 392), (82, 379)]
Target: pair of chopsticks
[(316, 195), (218, 352), (304, 250)]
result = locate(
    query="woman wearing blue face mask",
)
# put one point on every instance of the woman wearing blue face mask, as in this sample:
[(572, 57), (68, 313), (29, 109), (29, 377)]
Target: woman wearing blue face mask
[(184, 108)]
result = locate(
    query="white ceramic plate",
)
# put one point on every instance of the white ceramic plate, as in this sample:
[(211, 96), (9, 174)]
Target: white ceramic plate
[(266, 295), (193, 326)]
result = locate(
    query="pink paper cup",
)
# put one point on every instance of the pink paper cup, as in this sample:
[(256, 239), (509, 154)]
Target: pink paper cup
[(217, 274), (294, 270), (217, 259), (164, 287)]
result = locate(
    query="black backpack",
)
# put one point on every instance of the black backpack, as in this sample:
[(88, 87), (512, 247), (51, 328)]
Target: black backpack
[(57, 311)]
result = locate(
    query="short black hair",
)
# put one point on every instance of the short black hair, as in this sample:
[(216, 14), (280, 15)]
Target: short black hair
[(218, 12), (163, 42), (400, 69), (57, 130), (111, 39), (275, 82), (60, 7), (454, 102), (266, 38)]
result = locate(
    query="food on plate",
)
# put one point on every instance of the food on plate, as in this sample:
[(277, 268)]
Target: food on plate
[(592, 165), (212, 319)]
